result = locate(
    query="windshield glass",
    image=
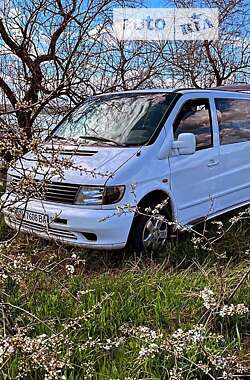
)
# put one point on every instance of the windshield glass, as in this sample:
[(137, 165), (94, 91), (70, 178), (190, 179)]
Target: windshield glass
[(129, 119)]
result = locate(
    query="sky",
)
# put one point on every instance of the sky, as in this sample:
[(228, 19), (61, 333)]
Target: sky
[(155, 3)]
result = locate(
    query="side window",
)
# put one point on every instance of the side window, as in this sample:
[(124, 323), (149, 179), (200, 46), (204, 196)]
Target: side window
[(195, 117), (234, 120)]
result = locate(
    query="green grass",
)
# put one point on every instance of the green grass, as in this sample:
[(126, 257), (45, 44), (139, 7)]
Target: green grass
[(147, 296), (160, 291)]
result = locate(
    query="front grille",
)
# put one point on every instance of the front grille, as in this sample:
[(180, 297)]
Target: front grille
[(58, 192), (61, 192), (55, 233)]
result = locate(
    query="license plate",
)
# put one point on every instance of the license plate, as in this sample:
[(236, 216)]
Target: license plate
[(31, 217)]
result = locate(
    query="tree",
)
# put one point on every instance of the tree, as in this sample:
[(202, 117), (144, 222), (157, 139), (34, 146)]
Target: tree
[(43, 45), (214, 63), (55, 53)]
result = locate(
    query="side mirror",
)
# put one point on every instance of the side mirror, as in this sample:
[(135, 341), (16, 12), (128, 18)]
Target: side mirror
[(185, 144)]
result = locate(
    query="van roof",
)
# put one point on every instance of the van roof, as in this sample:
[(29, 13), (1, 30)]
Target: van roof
[(240, 89), (214, 90)]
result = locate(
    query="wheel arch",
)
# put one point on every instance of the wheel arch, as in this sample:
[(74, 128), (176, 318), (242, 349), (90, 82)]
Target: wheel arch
[(148, 199), (159, 196)]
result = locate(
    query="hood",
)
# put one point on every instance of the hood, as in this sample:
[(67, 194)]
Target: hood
[(93, 164)]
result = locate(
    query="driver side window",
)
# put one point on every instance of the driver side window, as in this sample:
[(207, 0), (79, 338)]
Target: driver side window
[(195, 117)]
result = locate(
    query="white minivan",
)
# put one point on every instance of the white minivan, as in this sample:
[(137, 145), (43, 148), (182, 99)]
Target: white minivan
[(188, 146)]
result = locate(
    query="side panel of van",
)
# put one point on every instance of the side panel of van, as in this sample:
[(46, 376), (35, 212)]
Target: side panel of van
[(233, 178)]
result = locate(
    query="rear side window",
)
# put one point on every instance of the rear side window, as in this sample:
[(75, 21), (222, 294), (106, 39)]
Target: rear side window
[(194, 117), (234, 120)]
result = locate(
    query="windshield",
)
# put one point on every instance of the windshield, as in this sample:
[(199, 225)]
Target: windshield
[(129, 119)]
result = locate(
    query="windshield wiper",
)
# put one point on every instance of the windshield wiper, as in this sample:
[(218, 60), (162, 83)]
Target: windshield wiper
[(94, 138), (102, 139), (58, 137), (69, 139)]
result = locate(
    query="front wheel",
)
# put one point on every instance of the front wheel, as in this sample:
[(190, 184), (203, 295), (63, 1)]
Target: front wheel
[(151, 232)]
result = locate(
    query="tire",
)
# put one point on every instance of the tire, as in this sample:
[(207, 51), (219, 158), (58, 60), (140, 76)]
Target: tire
[(149, 233)]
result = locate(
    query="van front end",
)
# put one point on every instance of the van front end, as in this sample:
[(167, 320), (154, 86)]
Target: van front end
[(70, 224), (78, 187), (69, 211)]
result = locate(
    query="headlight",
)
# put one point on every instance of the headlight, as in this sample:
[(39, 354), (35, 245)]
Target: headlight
[(99, 195)]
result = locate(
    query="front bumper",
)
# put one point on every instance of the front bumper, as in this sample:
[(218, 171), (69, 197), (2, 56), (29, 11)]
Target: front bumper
[(74, 225)]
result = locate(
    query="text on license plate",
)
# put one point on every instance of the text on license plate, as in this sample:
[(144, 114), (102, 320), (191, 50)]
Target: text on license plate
[(30, 216)]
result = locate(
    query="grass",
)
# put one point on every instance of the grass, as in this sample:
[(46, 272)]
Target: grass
[(161, 291)]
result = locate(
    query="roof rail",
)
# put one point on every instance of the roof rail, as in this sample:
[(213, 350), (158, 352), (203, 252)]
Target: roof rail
[(242, 87)]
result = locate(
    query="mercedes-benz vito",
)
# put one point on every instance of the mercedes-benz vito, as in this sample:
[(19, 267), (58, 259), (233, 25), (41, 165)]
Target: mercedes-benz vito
[(190, 147)]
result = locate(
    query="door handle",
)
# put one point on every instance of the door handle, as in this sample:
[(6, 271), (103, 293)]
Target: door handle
[(212, 162)]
